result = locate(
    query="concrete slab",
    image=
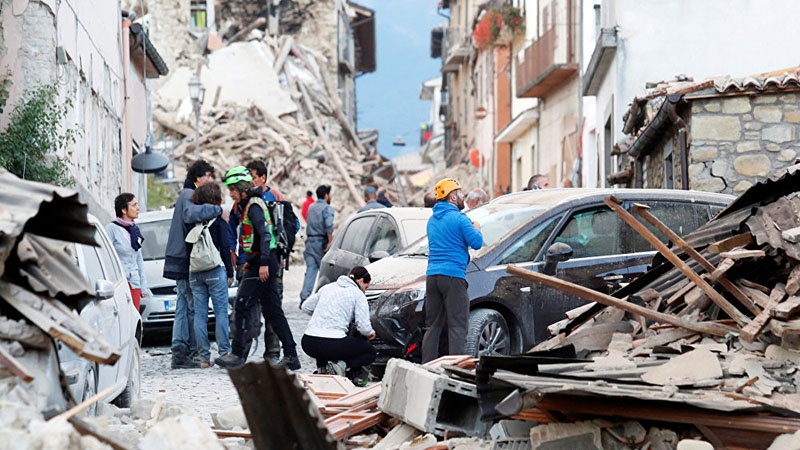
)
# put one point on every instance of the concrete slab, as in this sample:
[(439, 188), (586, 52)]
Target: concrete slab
[(428, 401), (696, 366)]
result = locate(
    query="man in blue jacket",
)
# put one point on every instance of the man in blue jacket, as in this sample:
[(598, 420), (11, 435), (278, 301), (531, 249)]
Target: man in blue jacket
[(450, 236)]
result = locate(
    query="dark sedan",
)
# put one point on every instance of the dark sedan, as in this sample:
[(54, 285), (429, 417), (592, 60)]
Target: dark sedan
[(510, 314)]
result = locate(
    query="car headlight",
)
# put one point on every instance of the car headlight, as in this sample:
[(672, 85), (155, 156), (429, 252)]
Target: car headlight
[(407, 296)]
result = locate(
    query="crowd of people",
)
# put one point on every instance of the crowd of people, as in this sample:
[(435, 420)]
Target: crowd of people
[(208, 247)]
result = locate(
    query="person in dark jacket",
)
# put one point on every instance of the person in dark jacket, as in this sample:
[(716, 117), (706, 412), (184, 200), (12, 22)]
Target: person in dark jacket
[(450, 235), (212, 283), (258, 284), (176, 261)]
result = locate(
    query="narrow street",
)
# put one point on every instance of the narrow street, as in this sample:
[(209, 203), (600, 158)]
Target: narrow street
[(202, 392)]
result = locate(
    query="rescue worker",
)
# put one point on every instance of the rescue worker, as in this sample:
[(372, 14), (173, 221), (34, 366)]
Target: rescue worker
[(259, 282)]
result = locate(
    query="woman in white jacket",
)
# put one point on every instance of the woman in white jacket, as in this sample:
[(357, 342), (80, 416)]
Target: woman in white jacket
[(333, 308)]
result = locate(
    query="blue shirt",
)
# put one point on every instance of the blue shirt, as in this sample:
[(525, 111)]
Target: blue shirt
[(450, 235)]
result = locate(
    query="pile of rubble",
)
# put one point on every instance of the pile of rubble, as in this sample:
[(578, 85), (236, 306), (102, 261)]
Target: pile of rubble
[(280, 106)]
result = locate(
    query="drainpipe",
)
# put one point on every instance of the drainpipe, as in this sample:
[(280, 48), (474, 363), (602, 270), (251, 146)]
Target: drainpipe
[(683, 138)]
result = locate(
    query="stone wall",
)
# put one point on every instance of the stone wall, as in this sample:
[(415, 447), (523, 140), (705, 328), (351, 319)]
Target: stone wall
[(738, 141)]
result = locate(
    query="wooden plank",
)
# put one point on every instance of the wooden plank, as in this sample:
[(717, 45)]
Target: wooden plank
[(354, 420), (357, 397), (288, 43), (594, 296), (80, 407), (740, 240), (615, 205), (643, 211), (246, 434), (722, 268), (740, 253), (758, 295), (787, 309), (15, 366), (782, 329), (752, 330)]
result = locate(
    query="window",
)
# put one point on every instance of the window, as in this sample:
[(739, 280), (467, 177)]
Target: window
[(199, 14), (93, 271), (355, 235), (110, 265), (528, 246), (682, 218), (155, 236), (591, 233), (384, 238)]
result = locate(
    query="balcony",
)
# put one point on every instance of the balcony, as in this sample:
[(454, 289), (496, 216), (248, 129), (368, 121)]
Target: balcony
[(456, 49), (547, 62)]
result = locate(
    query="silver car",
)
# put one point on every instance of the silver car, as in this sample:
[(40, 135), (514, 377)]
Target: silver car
[(158, 310), (369, 236), (114, 317)]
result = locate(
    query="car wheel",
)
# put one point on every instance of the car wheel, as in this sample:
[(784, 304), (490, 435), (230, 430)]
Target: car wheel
[(134, 385), (90, 389), (487, 334)]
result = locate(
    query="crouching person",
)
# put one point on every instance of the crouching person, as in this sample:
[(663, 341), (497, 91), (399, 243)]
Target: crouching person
[(259, 282), (333, 308)]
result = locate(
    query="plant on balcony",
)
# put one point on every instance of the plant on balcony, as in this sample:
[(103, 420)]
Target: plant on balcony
[(498, 26)]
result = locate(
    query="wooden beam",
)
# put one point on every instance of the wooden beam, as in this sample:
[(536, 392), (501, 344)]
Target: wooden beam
[(740, 253), (80, 407), (241, 34), (793, 282), (753, 329), (643, 211), (288, 43), (740, 240), (594, 296), (15, 366), (787, 309), (724, 266), (615, 205)]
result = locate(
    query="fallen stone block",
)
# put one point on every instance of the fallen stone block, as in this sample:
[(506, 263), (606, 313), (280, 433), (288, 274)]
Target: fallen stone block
[(180, 433), (566, 436), (430, 402), (786, 442), (230, 418), (504, 429), (397, 436), (693, 444)]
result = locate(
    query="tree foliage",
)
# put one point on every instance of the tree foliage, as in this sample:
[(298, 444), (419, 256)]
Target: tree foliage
[(35, 132)]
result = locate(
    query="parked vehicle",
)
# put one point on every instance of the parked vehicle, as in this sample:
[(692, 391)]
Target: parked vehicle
[(113, 315), (158, 310), (369, 236), (509, 314)]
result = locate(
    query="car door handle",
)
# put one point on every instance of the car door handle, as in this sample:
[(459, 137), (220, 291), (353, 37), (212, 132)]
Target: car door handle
[(525, 289)]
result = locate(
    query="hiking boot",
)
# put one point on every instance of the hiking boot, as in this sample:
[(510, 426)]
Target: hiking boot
[(289, 362), (335, 368), (230, 361), (273, 358), (185, 364)]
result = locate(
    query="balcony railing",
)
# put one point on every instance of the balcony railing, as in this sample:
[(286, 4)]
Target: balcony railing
[(549, 60), (456, 48)]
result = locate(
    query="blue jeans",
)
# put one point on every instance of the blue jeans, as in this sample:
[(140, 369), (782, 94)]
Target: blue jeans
[(211, 283), (182, 331), (313, 256)]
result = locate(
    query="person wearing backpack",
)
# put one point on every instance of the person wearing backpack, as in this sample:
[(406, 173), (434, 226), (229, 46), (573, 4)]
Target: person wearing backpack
[(259, 282), (289, 225), (211, 273)]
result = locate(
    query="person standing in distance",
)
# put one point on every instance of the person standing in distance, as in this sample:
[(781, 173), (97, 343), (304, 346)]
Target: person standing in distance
[(319, 235), (450, 236)]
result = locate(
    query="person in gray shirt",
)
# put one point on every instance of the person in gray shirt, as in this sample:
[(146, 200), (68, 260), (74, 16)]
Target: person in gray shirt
[(319, 235), (371, 197)]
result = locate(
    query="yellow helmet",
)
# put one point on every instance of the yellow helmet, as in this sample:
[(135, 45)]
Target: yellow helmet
[(444, 187)]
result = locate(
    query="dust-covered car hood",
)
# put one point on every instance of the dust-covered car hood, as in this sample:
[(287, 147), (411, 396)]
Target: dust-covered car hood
[(396, 271)]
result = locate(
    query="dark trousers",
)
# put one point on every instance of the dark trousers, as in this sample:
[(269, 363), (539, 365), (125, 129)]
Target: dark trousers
[(251, 293), (446, 305), (272, 345), (355, 351)]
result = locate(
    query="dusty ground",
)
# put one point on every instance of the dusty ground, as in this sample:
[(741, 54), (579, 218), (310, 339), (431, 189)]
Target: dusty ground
[(206, 391)]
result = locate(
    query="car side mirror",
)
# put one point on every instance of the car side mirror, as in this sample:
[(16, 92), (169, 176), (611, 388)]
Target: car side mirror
[(380, 254), (104, 289), (556, 253)]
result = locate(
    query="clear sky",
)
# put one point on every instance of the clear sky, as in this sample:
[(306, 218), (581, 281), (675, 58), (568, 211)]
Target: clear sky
[(388, 99)]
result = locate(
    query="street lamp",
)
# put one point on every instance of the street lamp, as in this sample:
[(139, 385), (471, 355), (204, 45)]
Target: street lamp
[(196, 92)]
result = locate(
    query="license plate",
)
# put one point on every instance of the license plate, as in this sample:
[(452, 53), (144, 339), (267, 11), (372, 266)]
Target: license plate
[(169, 305)]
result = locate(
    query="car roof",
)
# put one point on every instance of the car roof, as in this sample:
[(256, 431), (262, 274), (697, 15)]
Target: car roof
[(552, 197), (155, 216), (401, 212)]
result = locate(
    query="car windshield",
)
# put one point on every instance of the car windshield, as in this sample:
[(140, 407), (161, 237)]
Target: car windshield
[(155, 239), (496, 221)]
